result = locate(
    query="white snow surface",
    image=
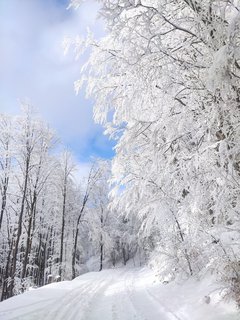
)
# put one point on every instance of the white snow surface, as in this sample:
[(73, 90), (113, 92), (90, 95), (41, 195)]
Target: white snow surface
[(119, 294)]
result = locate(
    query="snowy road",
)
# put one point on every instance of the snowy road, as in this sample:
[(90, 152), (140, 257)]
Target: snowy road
[(121, 294)]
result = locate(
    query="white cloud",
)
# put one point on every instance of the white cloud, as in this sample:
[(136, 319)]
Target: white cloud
[(33, 65), (81, 173)]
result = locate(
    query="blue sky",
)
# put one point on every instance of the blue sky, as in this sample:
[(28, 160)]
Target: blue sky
[(34, 67)]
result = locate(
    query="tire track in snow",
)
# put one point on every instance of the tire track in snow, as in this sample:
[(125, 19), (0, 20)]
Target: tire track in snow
[(114, 312), (155, 298), (112, 302), (115, 295), (76, 299), (125, 309), (67, 303), (153, 307), (83, 308), (7, 313), (95, 309), (129, 293)]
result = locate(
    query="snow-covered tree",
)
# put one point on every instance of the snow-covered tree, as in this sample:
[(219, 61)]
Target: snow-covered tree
[(165, 80), (44, 233)]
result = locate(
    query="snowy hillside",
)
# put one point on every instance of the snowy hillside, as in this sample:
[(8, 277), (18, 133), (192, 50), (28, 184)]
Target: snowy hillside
[(120, 294)]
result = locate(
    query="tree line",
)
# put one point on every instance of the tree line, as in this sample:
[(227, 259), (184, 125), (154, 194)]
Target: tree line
[(51, 225)]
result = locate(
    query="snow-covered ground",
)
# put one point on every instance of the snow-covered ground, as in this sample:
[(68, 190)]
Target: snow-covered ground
[(119, 294)]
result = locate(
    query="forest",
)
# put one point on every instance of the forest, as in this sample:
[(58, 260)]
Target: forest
[(50, 223), (166, 84)]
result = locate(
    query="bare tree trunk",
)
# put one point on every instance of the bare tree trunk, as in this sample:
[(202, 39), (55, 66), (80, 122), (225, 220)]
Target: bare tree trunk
[(101, 254), (5, 166), (185, 250), (63, 227), (5, 292), (4, 199), (19, 230), (85, 199), (29, 235), (91, 180), (101, 240)]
